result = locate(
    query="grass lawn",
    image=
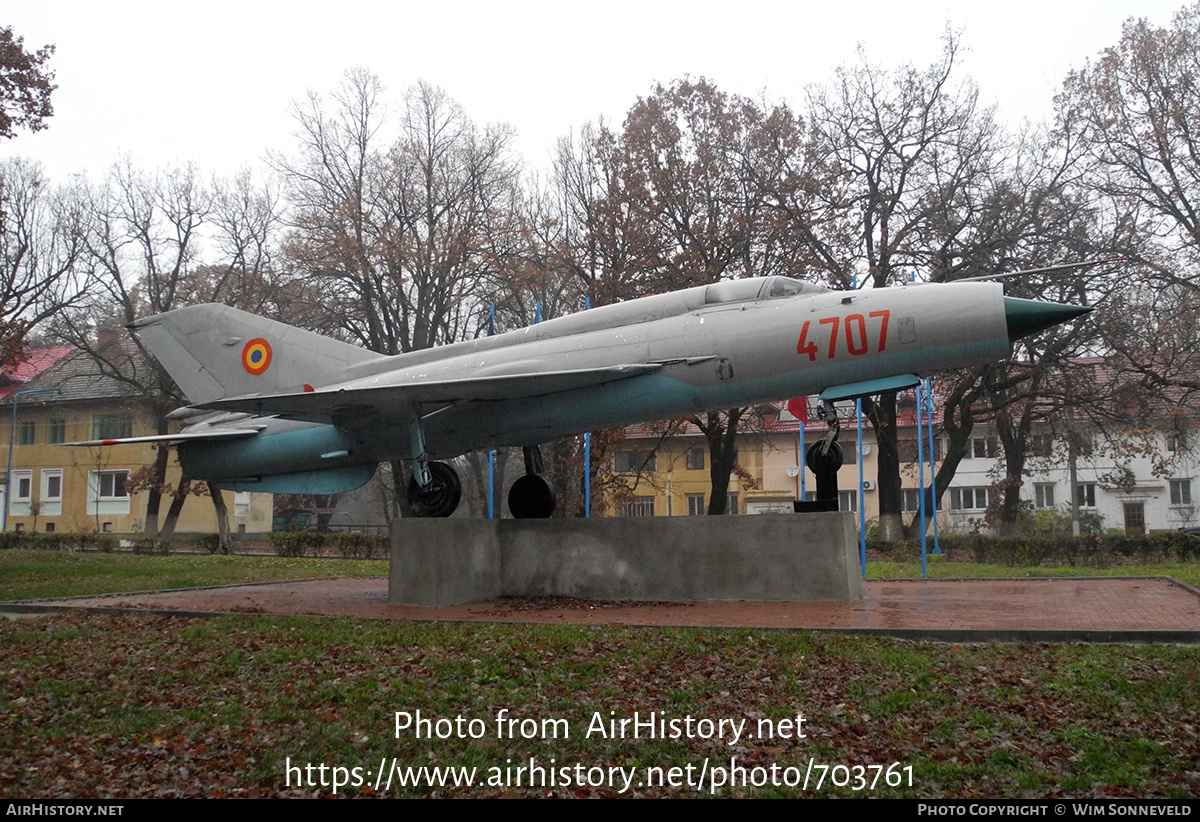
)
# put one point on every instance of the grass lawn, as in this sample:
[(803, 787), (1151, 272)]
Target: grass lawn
[(939, 568), (95, 706), (145, 705), (26, 574)]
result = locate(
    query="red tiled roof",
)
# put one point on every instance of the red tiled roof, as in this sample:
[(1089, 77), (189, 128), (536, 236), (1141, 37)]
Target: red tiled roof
[(39, 359)]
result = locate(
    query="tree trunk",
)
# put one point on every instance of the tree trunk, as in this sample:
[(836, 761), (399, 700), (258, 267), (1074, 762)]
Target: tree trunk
[(154, 494), (882, 415), (720, 429), (181, 494), (225, 540)]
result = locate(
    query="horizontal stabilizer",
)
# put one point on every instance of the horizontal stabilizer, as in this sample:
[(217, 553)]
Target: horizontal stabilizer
[(867, 388), (324, 406), (216, 434)]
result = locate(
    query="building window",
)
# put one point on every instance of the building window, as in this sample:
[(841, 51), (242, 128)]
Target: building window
[(22, 498), (731, 503), (58, 431), (1085, 495), (49, 527), (911, 502), (628, 462), (1043, 495), (640, 507), (968, 499), (1181, 492), (27, 432), (241, 503), (984, 448), (112, 426), (1039, 445), (695, 505), (847, 500), (106, 492), (695, 459), (52, 492)]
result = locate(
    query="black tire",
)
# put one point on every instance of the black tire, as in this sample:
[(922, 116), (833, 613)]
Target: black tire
[(531, 497), (829, 462), (440, 497)]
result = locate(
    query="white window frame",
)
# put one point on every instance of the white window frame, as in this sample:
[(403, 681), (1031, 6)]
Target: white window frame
[(51, 504), (241, 503), (1181, 492), (21, 504), (695, 505), (638, 507), (977, 494), (1043, 495), (116, 503), (1085, 492)]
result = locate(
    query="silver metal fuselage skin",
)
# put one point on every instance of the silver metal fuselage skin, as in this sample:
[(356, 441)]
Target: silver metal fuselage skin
[(712, 356)]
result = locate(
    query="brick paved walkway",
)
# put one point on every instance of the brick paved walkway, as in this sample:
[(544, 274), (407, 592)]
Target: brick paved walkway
[(1117, 609)]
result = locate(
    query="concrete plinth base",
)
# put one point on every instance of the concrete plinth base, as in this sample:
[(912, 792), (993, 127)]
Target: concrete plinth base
[(786, 557)]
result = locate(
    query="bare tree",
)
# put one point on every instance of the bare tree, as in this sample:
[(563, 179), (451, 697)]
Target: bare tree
[(400, 225), (41, 248), (401, 235), (141, 243), (917, 149), (685, 195), (1134, 116)]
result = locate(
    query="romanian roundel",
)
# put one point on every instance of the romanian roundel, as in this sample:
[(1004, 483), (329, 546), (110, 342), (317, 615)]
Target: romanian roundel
[(256, 356)]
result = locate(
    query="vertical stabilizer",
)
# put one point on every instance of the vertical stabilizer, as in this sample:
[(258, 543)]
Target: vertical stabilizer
[(214, 351)]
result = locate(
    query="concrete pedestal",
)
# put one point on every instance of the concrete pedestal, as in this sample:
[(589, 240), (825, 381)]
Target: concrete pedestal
[(781, 557)]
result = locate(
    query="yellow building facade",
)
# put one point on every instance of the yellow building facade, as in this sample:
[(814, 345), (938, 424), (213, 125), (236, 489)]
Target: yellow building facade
[(676, 482), (55, 488)]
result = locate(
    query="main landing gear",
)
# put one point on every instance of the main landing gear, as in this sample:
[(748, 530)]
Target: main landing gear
[(531, 497), (435, 490), (439, 496)]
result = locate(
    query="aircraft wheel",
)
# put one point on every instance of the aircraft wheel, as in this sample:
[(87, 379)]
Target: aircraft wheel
[(531, 498), (440, 497), (818, 462)]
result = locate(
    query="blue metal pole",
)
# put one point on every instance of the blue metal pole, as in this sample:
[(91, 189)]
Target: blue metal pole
[(862, 514), (802, 466), (492, 453), (937, 548), (491, 485), (921, 478), (587, 453)]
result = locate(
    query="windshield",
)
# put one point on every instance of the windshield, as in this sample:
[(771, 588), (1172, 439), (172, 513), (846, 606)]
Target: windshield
[(774, 288)]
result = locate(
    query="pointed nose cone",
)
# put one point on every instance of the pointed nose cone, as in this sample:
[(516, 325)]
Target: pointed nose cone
[(1027, 317)]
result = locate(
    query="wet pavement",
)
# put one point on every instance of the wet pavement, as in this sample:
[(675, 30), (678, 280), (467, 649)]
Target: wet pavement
[(1128, 609)]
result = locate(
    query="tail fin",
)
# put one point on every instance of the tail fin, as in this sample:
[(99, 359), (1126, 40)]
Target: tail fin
[(214, 351)]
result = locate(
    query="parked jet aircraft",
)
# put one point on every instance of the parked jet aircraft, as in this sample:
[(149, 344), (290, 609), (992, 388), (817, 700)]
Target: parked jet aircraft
[(278, 409)]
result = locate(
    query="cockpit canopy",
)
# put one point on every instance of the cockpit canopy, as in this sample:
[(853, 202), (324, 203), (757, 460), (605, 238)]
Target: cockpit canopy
[(758, 288)]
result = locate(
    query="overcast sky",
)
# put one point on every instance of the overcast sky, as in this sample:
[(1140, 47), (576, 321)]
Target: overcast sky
[(211, 82)]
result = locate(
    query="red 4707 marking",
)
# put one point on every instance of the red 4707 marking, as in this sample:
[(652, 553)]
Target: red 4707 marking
[(856, 332)]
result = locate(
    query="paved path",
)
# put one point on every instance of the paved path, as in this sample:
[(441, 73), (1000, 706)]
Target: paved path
[(1062, 609)]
